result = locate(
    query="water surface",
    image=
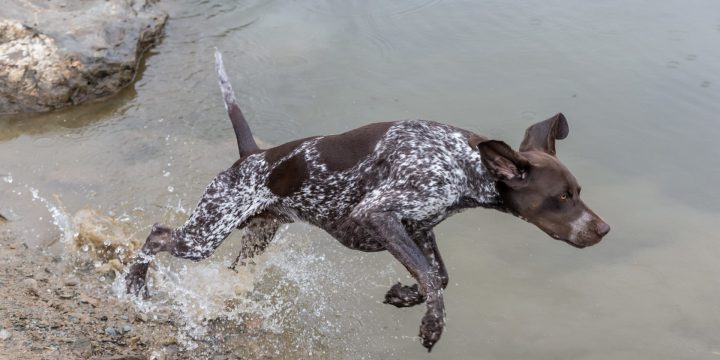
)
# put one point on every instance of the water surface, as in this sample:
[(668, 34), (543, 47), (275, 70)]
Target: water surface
[(638, 82)]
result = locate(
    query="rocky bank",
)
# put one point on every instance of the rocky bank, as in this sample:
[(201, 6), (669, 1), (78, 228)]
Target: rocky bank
[(59, 53), (64, 306)]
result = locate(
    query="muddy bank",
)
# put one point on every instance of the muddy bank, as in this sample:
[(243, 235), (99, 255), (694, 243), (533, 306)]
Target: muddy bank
[(61, 53)]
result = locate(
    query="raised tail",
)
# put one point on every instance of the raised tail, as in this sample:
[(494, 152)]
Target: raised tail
[(245, 141)]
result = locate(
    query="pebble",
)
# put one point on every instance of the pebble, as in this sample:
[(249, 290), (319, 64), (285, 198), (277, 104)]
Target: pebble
[(5, 335), (141, 317), (64, 294), (170, 340), (126, 328), (84, 299), (111, 331), (71, 282)]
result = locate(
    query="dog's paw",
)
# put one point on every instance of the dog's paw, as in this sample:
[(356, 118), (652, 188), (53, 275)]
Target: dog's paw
[(430, 329), (404, 296), (136, 286), (135, 283)]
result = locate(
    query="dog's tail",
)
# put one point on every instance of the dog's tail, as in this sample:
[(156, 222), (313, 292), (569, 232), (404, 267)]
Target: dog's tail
[(245, 141)]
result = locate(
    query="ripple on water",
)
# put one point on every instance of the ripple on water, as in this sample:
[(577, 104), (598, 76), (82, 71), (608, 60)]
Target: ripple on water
[(378, 8)]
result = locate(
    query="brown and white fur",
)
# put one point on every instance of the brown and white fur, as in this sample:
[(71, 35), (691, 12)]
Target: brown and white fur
[(383, 186)]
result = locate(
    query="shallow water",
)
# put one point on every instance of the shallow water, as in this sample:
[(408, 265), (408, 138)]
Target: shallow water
[(637, 81)]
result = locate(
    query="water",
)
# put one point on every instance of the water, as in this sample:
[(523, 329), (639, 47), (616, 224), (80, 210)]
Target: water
[(638, 82)]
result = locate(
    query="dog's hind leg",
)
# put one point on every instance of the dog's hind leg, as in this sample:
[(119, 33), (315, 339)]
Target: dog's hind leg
[(258, 232), (234, 196), (404, 296)]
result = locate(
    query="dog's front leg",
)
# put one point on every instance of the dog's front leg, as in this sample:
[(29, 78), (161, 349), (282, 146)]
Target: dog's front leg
[(388, 228), (401, 295)]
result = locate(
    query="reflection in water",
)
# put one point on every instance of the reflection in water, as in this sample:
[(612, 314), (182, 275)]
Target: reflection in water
[(637, 81)]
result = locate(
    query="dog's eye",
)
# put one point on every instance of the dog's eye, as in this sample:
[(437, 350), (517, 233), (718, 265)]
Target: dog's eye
[(565, 196)]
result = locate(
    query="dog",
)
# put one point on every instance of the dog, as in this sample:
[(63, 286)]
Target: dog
[(383, 186)]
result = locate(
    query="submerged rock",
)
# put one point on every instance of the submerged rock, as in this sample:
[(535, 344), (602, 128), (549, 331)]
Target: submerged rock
[(55, 54)]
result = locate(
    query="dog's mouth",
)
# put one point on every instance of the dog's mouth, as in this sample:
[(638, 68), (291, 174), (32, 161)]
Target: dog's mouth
[(574, 244), (578, 246)]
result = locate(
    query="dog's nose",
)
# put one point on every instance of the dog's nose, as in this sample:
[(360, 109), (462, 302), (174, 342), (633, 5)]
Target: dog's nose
[(602, 229)]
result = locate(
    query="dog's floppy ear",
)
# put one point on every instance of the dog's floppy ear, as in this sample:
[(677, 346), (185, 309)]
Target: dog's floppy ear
[(542, 135), (504, 163)]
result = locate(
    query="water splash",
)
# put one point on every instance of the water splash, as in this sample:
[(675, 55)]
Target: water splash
[(59, 217), (281, 291)]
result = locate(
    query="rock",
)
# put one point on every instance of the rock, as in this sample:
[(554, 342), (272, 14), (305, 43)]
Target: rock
[(111, 331), (141, 317), (71, 282), (84, 299), (65, 52), (126, 328), (65, 294), (170, 340), (5, 335)]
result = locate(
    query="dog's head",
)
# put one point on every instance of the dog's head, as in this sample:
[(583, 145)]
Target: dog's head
[(537, 187)]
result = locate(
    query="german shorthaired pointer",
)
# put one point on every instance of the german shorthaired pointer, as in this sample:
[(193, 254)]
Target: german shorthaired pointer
[(382, 186)]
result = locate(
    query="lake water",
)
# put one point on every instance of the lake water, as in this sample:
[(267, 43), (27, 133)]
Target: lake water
[(638, 81)]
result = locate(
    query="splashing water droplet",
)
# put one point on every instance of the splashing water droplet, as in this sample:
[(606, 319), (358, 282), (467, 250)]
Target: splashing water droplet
[(8, 178), (171, 189), (59, 217)]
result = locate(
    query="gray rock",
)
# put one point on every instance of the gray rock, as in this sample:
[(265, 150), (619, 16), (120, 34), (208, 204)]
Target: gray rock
[(5, 335), (111, 331), (59, 53), (126, 328)]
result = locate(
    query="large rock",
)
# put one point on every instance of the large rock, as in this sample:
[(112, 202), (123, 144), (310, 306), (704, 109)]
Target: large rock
[(64, 52)]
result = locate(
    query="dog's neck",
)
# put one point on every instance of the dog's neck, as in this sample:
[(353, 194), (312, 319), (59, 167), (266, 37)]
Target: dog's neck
[(481, 189)]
